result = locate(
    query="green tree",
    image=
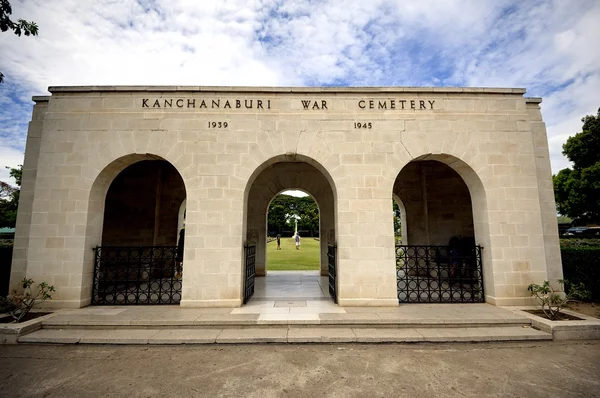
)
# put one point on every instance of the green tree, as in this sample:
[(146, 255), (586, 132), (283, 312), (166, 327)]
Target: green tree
[(280, 210), (276, 217), (9, 198), (20, 27), (285, 208), (397, 218), (577, 190), (308, 211)]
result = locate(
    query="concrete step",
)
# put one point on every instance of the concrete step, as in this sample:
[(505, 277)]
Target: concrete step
[(289, 334), (219, 321)]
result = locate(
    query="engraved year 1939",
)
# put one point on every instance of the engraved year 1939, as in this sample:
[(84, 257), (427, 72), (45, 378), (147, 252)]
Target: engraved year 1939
[(217, 125), (365, 125)]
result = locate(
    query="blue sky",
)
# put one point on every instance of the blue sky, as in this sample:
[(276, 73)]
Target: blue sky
[(548, 47)]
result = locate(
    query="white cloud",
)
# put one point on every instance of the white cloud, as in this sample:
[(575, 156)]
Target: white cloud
[(549, 47), (82, 43), (299, 194)]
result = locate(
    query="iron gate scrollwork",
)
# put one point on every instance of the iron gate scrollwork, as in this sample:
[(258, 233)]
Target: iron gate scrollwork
[(250, 275), (439, 274), (139, 275), (331, 265)]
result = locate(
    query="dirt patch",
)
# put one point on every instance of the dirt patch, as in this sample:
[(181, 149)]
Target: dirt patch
[(28, 317), (560, 317), (589, 309), (519, 369)]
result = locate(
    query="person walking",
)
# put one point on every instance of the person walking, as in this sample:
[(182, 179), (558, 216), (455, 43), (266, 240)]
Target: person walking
[(278, 241), (297, 239)]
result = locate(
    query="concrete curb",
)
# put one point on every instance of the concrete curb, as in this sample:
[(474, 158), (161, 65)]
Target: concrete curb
[(290, 335), (586, 329), (10, 332)]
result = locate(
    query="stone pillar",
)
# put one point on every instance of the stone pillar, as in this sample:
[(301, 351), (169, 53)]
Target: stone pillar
[(545, 187), (326, 230), (366, 271), (30, 167)]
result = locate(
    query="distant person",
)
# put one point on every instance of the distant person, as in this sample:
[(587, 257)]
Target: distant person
[(278, 241), (297, 239)]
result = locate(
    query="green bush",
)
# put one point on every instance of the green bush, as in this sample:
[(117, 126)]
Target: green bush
[(22, 300), (581, 264), (551, 301), (579, 242)]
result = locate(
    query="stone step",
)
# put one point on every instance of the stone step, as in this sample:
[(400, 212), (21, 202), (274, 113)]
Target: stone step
[(253, 320), (290, 334)]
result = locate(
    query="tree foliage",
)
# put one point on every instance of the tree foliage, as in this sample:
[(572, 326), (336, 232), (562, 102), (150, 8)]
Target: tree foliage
[(577, 190), (285, 208), (9, 198), (397, 218), (28, 28)]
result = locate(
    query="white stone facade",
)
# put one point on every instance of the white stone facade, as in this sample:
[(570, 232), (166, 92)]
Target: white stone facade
[(80, 138)]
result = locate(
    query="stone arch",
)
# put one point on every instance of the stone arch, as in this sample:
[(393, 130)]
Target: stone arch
[(96, 211), (279, 174), (311, 144), (289, 158), (479, 205)]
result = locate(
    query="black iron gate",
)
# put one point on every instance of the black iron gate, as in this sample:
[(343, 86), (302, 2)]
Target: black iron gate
[(331, 262), (439, 274), (250, 256), (138, 275)]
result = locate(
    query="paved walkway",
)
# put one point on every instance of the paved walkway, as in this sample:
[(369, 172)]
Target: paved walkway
[(292, 285), (286, 312)]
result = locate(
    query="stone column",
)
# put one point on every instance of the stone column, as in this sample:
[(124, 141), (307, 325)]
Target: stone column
[(545, 187), (30, 165)]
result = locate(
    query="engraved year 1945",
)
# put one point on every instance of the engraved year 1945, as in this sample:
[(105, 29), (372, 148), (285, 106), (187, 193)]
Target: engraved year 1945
[(217, 125), (365, 125)]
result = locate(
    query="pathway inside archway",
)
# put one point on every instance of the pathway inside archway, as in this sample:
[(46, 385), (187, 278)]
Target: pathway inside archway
[(300, 286), (285, 296)]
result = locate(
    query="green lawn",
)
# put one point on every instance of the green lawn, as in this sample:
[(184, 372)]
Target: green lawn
[(290, 259)]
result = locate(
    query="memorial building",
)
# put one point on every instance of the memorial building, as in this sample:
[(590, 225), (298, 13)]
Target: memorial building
[(159, 195)]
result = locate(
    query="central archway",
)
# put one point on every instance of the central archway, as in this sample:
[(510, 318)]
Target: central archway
[(277, 175)]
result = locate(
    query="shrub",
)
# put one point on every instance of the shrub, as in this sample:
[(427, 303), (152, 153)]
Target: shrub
[(21, 301), (551, 301), (581, 264)]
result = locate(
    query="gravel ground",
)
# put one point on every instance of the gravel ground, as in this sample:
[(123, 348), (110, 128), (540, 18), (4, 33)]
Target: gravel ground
[(543, 369)]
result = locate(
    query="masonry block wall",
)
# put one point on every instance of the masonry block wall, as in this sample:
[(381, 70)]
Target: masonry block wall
[(219, 139)]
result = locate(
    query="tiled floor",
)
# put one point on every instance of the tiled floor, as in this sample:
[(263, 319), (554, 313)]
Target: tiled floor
[(290, 295), (291, 286)]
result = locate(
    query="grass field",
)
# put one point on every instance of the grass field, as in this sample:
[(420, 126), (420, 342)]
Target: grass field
[(290, 259)]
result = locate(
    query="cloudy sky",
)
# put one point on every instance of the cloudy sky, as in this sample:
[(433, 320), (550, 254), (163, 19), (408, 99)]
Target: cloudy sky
[(549, 47)]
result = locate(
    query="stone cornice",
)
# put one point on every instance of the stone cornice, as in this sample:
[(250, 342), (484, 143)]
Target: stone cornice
[(285, 90)]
